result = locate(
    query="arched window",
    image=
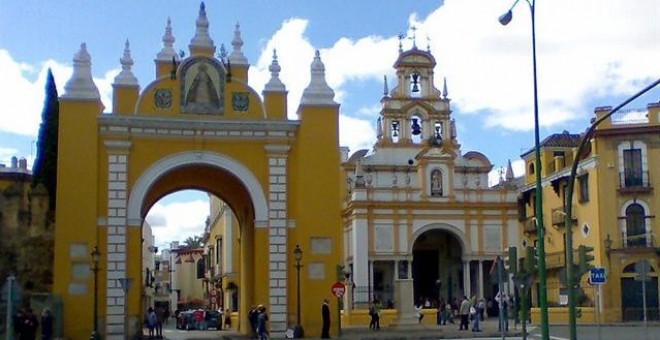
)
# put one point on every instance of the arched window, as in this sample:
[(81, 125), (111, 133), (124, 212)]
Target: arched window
[(201, 268), (635, 226), (436, 183)]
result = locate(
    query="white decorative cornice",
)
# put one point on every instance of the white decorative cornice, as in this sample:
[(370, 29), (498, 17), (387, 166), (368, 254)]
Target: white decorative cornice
[(275, 84), (318, 92), (81, 85), (237, 57), (202, 40), (126, 77), (168, 52)]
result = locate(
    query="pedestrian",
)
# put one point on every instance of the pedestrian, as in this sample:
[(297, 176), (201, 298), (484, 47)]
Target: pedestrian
[(377, 308), (481, 308), (325, 316), (262, 329), (449, 314), (166, 315), (46, 324), (28, 324), (464, 312), (152, 320), (418, 312), (475, 319), (253, 315), (504, 300), (227, 319), (160, 316)]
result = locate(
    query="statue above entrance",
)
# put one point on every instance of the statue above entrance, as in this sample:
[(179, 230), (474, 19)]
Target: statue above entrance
[(202, 86)]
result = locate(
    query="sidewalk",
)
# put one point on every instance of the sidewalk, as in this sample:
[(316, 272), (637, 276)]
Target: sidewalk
[(489, 329)]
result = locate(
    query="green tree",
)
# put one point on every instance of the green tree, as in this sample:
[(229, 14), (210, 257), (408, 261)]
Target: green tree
[(193, 242), (45, 165)]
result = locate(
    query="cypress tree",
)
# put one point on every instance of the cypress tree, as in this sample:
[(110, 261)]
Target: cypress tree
[(45, 165)]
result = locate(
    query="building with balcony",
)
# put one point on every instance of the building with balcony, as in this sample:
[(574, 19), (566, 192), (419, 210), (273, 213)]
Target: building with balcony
[(614, 210)]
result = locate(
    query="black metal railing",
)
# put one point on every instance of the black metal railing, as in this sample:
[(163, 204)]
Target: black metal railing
[(639, 240)]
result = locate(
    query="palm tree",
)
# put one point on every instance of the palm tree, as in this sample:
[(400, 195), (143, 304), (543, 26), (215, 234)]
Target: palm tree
[(193, 242)]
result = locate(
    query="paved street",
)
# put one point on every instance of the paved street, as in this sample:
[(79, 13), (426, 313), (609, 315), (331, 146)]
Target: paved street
[(610, 332)]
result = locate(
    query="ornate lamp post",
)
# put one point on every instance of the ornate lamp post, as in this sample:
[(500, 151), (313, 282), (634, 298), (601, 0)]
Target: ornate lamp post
[(540, 231), (298, 253), (96, 256)]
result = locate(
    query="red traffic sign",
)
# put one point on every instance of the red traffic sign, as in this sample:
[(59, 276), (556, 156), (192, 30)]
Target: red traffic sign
[(338, 289)]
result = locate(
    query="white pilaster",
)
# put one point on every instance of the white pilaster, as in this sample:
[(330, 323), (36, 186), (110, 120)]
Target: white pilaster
[(277, 250), (117, 243), (480, 280)]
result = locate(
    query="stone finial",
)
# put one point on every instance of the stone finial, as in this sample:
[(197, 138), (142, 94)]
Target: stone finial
[(237, 57), (126, 77), (168, 52), (509, 172), (81, 85), (318, 92), (202, 40), (275, 84), (444, 88), (385, 89)]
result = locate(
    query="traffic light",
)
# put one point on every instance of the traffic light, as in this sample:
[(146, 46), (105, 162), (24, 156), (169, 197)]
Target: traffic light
[(511, 259), (530, 260), (585, 258)]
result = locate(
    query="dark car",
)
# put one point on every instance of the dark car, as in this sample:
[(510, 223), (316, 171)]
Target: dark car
[(213, 319), (185, 320)]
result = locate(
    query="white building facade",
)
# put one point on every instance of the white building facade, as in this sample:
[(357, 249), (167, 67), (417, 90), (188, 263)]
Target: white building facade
[(420, 221)]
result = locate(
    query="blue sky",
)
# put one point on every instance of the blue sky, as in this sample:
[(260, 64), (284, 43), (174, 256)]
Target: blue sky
[(590, 53)]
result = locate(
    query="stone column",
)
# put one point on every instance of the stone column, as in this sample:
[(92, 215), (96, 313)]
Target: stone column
[(480, 280), (467, 291), (403, 284)]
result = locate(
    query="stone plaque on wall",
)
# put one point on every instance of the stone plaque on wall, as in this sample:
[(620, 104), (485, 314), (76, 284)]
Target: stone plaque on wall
[(79, 250), (81, 270), (492, 238), (321, 245), (316, 271), (384, 238), (77, 288)]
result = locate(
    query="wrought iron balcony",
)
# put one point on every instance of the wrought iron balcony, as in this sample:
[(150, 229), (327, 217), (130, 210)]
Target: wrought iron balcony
[(634, 182), (638, 241)]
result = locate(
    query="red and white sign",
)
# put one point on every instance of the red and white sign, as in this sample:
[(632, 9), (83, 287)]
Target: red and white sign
[(338, 289)]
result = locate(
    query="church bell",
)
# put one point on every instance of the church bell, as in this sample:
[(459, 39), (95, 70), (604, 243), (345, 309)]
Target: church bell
[(416, 129)]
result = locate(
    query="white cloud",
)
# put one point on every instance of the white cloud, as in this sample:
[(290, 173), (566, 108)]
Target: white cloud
[(177, 221), (22, 92)]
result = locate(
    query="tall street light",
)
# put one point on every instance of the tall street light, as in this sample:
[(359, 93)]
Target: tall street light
[(540, 231), (96, 256), (298, 253), (573, 281)]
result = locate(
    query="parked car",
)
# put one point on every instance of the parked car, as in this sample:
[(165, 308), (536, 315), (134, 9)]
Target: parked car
[(185, 320), (213, 319)]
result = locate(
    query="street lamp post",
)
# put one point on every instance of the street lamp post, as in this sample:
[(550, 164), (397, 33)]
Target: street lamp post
[(540, 231), (298, 253), (568, 222), (96, 256)]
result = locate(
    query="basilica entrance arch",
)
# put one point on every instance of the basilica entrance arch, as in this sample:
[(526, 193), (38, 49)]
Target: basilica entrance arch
[(198, 125), (438, 255)]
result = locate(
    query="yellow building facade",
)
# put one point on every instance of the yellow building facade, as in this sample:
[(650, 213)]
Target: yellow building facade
[(613, 208), (198, 125)]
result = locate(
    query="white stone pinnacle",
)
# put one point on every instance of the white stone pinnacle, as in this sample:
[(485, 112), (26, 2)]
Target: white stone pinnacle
[(81, 85), (126, 77), (318, 92), (275, 84), (237, 57), (168, 52), (202, 40)]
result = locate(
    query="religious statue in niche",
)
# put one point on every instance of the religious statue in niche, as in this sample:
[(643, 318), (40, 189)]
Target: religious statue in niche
[(436, 183), (403, 270), (202, 88)]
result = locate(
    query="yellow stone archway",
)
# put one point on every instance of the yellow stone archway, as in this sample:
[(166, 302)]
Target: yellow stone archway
[(198, 125)]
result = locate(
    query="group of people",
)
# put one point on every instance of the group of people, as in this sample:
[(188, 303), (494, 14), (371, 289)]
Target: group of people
[(258, 318), (469, 310), (154, 322), (26, 324)]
